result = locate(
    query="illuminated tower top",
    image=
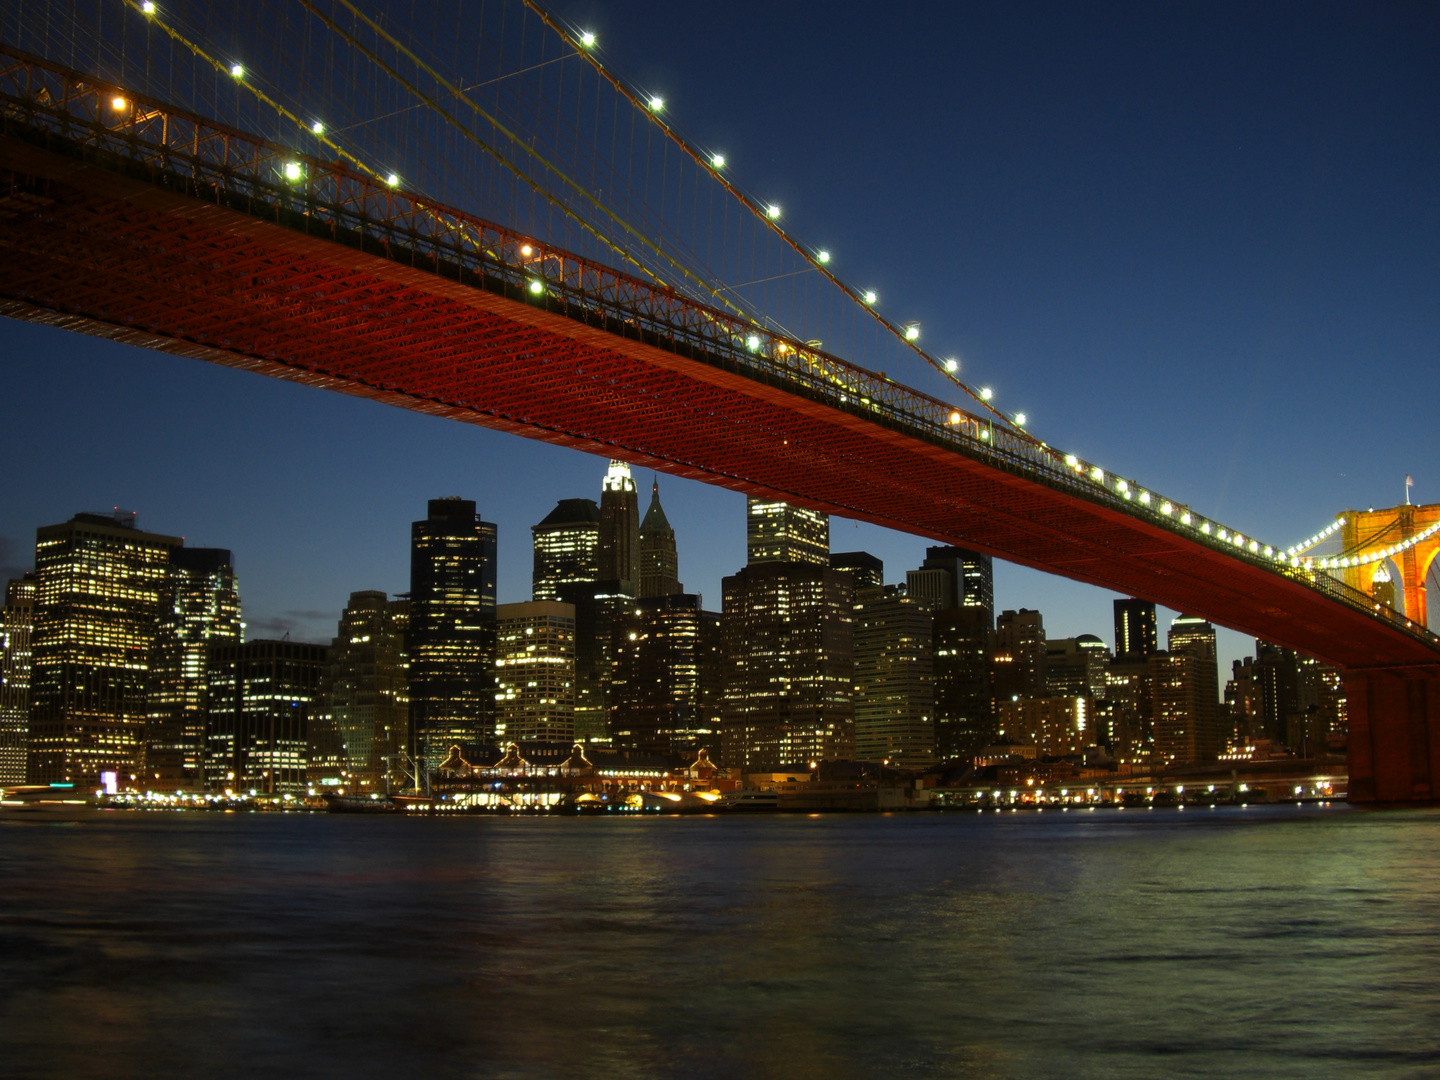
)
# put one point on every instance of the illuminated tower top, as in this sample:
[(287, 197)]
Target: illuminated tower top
[(620, 528)]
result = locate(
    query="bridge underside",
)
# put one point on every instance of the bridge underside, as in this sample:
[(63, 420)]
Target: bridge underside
[(88, 250)]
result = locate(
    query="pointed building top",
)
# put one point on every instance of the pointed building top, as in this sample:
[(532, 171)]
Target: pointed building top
[(655, 519)]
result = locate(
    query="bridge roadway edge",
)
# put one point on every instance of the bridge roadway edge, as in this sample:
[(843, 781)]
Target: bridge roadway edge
[(1385, 714)]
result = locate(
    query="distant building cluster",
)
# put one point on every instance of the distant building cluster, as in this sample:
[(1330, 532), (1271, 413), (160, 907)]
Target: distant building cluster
[(124, 665)]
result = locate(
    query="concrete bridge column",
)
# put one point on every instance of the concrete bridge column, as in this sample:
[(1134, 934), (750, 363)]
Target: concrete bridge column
[(1394, 721)]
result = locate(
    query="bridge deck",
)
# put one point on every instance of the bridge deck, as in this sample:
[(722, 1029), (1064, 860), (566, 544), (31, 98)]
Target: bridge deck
[(91, 250)]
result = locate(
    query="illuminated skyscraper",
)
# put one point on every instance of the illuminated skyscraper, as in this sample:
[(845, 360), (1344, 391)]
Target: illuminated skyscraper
[(567, 548), (1018, 660), (260, 698), (964, 704), (955, 577), (894, 677), (788, 665), (866, 571), (1076, 667), (779, 532), (619, 527), (17, 621), (199, 607), (666, 693), (1186, 726), (1135, 634), (535, 672), (98, 583), (452, 629), (365, 692), (659, 563)]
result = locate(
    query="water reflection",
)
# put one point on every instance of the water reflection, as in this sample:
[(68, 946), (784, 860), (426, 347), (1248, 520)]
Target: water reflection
[(1265, 942)]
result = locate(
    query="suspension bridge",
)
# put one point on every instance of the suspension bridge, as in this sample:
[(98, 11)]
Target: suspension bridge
[(518, 238)]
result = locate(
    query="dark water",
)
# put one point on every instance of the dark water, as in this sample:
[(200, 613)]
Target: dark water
[(1274, 942)]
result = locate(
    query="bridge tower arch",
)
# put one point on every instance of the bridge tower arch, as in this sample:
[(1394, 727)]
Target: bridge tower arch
[(1414, 530)]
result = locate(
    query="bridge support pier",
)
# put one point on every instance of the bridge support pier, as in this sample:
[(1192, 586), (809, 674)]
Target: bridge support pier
[(1394, 722)]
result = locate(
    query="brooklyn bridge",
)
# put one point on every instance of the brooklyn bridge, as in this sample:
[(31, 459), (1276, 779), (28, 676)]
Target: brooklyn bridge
[(158, 191)]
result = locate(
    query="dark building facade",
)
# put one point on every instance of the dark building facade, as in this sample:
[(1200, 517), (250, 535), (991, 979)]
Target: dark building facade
[(619, 527), (17, 622), (659, 559), (199, 607), (365, 693), (1135, 634), (866, 571), (956, 577), (260, 699), (965, 719), (451, 639), (98, 586), (894, 677), (1018, 659), (666, 692)]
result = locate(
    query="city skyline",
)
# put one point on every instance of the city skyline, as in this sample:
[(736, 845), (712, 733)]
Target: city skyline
[(1252, 244)]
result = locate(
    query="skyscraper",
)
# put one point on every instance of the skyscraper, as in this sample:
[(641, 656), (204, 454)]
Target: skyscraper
[(865, 570), (1186, 728), (1135, 634), (779, 532), (659, 563), (786, 634), (666, 695), (452, 629), (98, 581), (964, 703), (955, 577), (199, 607), (1018, 660), (567, 548), (257, 730), (619, 527), (17, 621), (365, 691), (894, 677), (535, 672), (1076, 667)]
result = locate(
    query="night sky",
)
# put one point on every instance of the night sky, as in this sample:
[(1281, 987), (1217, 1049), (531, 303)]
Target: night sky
[(1196, 244)]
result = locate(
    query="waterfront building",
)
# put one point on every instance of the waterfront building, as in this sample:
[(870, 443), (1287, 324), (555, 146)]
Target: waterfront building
[(260, 697), (1135, 632), (659, 561), (865, 570), (98, 583), (535, 672), (955, 577), (199, 607), (894, 677), (567, 548), (666, 691), (451, 639), (619, 555), (1186, 726), (17, 622), (1127, 713), (778, 532), (365, 692), (788, 665), (1242, 704), (1055, 726), (1018, 659), (964, 702)]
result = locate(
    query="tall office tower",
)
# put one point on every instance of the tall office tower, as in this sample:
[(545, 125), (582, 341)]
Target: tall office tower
[(1126, 717), (452, 630), (1076, 667), (1193, 636), (98, 581), (1017, 664), (1135, 635), (619, 527), (199, 607), (535, 672), (788, 666), (600, 608), (666, 696), (894, 677), (1323, 691), (1186, 727), (1277, 681), (955, 577), (1055, 726), (964, 704), (779, 532), (659, 563), (567, 548), (865, 570), (365, 692), (17, 621), (1242, 698), (260, 696)]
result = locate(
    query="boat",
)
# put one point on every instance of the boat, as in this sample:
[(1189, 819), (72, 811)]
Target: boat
[(750, 801)]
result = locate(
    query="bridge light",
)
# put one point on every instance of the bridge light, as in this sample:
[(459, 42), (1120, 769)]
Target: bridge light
[(752, 342), (954, 417), (148, 8), (1121, 486), (392, 180), (1071, 460), (1205, 527), (1020, 418), (293, 170), (537, 287), (526, 249), (952, 366), (772, 211), (657, 103), (1167, 508), (717, 161), (237, 71), (317, 128), (117, 103), (912, 332), (1097, 474), (1144, 498), (870, 296), (822, 256), (587, 39), (1185, 518), (986, 393)]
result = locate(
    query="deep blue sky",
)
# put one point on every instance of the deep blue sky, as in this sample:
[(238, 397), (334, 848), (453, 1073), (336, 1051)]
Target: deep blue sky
[(1197, 244)]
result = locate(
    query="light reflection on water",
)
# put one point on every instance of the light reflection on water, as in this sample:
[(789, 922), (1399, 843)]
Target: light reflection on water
[(1268, 942)]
